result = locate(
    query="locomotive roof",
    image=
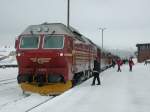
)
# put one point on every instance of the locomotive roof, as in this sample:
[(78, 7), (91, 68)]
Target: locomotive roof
[(56, 28), (48, 28)]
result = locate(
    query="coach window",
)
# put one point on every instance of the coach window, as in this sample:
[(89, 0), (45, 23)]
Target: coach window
[(29, 42), (53, 41)]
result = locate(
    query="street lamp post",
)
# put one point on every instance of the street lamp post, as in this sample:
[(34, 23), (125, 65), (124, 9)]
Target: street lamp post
[(102, 29), (68, 13)]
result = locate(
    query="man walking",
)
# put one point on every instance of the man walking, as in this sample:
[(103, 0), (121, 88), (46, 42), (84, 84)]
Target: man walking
[(119, 63), (131, 63), (96, 71)]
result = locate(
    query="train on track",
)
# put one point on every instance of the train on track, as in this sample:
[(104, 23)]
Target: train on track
[(52, 58)]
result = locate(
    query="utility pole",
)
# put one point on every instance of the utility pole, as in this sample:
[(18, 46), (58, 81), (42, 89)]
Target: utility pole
[(68, 13), (102, 30)]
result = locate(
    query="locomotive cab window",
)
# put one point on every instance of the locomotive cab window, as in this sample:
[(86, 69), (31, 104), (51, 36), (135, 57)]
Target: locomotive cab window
[(29, 41), (53, 41)]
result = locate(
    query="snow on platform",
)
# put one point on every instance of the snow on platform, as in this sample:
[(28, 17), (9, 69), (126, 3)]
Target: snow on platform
[(120, 92)]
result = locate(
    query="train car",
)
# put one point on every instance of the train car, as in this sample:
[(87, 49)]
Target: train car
[(106, 60), (52, 58)]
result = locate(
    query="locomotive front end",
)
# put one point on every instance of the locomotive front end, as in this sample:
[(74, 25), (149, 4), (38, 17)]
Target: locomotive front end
[(43, 68)]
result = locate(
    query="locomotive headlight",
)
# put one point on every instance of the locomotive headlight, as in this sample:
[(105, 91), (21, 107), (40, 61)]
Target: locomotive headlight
[(61, 54), (19, 54)]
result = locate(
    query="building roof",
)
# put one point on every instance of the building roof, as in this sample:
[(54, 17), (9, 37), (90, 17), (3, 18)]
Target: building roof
[(137, 45)]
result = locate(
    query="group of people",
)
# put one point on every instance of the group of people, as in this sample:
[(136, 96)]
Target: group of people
[(119, 62)]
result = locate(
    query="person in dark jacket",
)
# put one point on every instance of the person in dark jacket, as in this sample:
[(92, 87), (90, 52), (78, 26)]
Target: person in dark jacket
[(96, 71), (131, 63), (113, 63)]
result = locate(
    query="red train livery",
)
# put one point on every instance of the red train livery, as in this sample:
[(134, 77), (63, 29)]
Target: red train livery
[(52, 58)]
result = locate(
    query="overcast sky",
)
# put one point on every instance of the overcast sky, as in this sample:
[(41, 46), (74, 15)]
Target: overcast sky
[(127, 21)]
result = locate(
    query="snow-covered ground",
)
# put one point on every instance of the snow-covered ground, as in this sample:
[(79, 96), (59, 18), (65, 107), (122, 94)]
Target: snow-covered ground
[(5, 51), (6, 58), (11, 60), (120, 92), (8, 73)]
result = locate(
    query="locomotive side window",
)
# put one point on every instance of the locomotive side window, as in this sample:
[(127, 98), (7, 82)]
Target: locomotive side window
[(53, 41), (29, 42)]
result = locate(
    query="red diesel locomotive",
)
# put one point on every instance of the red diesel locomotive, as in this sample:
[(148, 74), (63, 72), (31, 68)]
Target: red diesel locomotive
[(52, 58)]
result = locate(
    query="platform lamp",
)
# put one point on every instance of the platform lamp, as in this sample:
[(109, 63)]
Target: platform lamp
[(102, 30)]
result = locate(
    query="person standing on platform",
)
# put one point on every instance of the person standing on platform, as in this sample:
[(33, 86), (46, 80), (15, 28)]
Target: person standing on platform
[(131, 63), (119, 63), (96, 72), (113, 63)]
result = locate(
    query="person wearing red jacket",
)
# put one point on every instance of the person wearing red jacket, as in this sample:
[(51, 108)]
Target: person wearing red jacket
[(131, 63), (119, 63)]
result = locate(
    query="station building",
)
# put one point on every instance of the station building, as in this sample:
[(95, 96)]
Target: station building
[(143, 52)]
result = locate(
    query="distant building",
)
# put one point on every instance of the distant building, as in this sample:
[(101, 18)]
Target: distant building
[(143, 52)]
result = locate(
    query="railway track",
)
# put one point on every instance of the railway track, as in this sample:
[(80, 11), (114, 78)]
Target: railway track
[(43, 102), (7, 81), (9, 87), (14, 100), (30, 101), (7, 84)]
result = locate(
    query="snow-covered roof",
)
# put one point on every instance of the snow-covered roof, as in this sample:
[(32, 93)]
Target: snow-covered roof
[(55, 28), (49, 28), (137, 45)]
